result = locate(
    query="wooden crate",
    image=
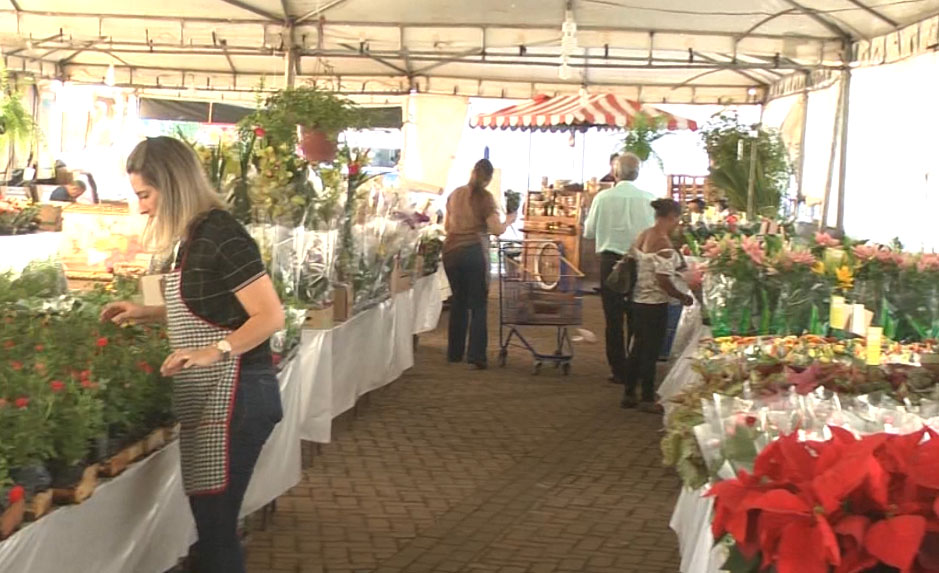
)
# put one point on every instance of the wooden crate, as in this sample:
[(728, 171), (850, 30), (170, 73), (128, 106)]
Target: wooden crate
[(80, 491), (343, 300), (11, 518), (39, 505), (684, 188)]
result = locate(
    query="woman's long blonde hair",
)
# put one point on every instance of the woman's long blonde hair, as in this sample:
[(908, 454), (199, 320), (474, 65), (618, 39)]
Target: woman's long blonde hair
[(172, 168)]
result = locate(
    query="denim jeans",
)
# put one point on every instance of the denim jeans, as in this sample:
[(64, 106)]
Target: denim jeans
[(257, 410), (467, 270)]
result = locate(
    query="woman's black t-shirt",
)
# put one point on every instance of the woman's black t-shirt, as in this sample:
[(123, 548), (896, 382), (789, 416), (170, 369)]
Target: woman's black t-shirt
[(219, 259)]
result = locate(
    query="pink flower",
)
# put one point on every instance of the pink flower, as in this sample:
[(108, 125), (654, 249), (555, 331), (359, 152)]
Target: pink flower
[(694, 276), (259, 132), (752, 247), (16, 365), (712, 249), (826, 240), (905, 261), (928, 262), (790, 259), (884, 255), (865, 252)]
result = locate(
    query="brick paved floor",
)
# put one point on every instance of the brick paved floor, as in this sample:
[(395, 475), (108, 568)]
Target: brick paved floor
[(499, 471)]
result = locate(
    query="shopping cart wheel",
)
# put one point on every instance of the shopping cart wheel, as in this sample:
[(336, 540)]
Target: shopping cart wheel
[(503, 357), (536, 369), (566, 368)]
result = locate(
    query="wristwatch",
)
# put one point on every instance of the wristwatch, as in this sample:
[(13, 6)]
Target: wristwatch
[(224, 347)]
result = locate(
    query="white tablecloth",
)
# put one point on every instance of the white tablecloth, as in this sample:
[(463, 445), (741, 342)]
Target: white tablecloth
[(140, 522), (17, 251), (691, 522)]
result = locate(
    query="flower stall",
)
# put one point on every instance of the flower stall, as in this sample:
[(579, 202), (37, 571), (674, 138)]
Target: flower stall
[(821, 349), (90, 414)]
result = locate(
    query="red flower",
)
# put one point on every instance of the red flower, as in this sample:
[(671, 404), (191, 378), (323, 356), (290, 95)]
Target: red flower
[(846, 504), (9, 344), (40, 348), (89, 385), (750, 420), (21, 402), (57, 386), (85, 375), (16, 493), (144, 367), (259, 131), (102, 342), (16, 365), (354, 169)]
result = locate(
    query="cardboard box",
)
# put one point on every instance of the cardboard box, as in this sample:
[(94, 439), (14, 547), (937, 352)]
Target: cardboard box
[(319, 318), (50, 217), (343, 300)]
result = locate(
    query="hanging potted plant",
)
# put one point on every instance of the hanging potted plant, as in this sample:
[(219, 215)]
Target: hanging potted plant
[(308, 116), (645, 130), (16, 123)]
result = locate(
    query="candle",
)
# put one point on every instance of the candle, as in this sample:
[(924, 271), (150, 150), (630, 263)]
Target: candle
[(875, 336), (859, 320), (836, 315)]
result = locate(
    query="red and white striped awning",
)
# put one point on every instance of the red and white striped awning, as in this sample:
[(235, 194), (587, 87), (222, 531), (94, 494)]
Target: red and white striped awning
[(575, 111)]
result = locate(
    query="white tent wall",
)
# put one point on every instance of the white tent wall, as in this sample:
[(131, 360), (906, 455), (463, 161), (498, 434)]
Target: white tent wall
[(893, 171)]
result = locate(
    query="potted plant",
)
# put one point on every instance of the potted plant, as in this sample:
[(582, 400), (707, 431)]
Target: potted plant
[(729, 144), (16, 122), (308, 116), (645, 130)]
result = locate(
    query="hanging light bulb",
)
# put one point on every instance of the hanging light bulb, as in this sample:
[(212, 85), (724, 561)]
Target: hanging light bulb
[(109, 79), (568, 44)]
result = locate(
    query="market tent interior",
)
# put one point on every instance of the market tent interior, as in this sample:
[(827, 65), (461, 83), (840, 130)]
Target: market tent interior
[(706, 52), (786, 54)]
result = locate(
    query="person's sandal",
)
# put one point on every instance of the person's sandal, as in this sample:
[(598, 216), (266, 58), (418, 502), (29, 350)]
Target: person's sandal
[(651, 408)]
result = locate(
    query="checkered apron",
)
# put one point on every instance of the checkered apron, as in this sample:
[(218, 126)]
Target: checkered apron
[(204, 397)]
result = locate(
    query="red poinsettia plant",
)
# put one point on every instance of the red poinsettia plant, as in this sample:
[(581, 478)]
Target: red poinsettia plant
[(846, 505)]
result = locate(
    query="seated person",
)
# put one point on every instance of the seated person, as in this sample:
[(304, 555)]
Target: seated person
[(69, 193)]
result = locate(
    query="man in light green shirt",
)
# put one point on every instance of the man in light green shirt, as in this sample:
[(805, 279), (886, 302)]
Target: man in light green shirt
[(616, 218)]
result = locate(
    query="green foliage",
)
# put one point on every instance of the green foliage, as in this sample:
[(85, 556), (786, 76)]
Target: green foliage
[(640, 136), (279, 115), (729, 144)]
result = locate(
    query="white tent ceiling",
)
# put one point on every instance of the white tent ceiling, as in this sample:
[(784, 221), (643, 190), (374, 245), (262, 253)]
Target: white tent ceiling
[(656, 50)]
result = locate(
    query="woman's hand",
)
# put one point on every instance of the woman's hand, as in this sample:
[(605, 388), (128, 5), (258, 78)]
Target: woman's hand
[(189, 358), (122, 312)]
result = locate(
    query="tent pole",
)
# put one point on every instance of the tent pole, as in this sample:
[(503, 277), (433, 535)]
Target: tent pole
[(290, 58), (805, 121), (845, 109), (826, 202)]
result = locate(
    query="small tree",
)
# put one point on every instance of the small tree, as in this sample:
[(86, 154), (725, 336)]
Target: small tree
[(729, 144)]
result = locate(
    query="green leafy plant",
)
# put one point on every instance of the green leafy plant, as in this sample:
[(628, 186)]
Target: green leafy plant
[(278, 116), (645, 130), (728, 144), (17, 125)]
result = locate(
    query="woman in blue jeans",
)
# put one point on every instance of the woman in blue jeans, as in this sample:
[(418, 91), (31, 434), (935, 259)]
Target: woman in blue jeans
[(472, 216), (221, 310)]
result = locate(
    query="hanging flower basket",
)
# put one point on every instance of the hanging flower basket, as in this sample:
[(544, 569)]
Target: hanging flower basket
[(316, 145)]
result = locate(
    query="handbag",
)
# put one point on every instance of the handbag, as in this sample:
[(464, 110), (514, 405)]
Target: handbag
[(623, 276)]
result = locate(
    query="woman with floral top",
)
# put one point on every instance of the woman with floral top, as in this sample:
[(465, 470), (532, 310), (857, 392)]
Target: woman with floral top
[(657, 264)]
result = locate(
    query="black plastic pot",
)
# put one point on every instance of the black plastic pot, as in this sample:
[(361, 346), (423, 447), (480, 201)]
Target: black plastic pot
[(34, 479), (66, 476)]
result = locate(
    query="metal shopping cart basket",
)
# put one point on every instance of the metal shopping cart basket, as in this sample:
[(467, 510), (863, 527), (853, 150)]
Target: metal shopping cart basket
[(538, 286)]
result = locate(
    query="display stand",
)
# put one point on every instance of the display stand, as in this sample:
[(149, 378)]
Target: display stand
[(556, 215)]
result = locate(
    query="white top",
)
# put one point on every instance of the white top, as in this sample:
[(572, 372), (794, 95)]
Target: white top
[(648, 266)]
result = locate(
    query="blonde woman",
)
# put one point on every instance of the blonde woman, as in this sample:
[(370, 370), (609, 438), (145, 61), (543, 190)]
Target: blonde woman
[(221, 309)]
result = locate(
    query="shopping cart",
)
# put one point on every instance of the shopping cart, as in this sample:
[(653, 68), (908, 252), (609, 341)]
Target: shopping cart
[(538, 286)]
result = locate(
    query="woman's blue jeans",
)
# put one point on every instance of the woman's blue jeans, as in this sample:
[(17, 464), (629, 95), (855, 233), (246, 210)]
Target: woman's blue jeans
[(257, 410)]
